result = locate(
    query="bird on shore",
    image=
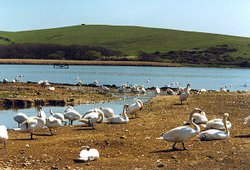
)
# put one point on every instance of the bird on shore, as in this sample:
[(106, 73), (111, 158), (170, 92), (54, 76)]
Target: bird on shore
[(20, 118), (53, 123), (58, 116), (120, 119), (91, 117), (215, 134), (157, 90), (247, 121), (217, 124), (88, 154), (182, 133), (198, 118), (107, 111), (184, 96), (71, 114), (3, 135), (134, 108)]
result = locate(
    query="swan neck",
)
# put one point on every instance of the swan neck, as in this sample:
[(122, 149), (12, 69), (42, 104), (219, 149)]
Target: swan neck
[(225, 124), (100, 117), (197, 128)]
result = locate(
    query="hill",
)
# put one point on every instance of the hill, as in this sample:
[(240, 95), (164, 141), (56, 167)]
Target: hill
[(130, 40)]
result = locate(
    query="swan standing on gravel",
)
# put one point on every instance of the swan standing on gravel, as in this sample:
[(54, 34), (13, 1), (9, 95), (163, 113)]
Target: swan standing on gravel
[(71, 114), (182, 133), (215, 134), (120, 119), (20, 118), (88, 154), (93, 116), (134, 108), (184, 96), (32, 124), (53, 123), (3, 135), (217, 124)]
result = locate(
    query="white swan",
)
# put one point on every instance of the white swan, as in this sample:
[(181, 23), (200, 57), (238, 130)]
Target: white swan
[(41, 113), (184, 96), (247, 121), (71, 114), (88, 154), (58, 116), (157, 90), (108, 112), (182, 133), (95, 116), (217, 124), (120, 119), (215, 134), (53, 123), (198, 118), (32, 124), (134, 108), (3, 135), (20, 118)]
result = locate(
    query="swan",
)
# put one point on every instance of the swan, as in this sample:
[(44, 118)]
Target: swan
[(41, 113), (120, 119), (53, 123), (157, 90), (3, 135), (105, 89), (215, 134), (171, 92), (88, 154), (58, 116), (247, 121), (95, 116), (182, 133), (71, 114), (134, 108), (108, 112), (32, 124), (184, 96), (20, 118), (217, 124), (198, 118)]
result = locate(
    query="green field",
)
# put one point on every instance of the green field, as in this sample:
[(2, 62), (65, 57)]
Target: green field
[(128, 39)]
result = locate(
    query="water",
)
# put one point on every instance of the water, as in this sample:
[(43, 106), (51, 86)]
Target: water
[(208, 78)]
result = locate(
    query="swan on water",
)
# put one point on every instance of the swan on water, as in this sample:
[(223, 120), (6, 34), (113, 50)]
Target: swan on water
[(120, 119), (134, 108), (198, 118), (71, 114), (215, 134), (53, 123), (247, 121), (32, 124), (182, 133), (88, 154), (184, 96), (20, 118), (3, 135), (217, 124)]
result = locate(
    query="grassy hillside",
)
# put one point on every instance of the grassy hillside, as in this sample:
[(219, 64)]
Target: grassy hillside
[(128, 39)]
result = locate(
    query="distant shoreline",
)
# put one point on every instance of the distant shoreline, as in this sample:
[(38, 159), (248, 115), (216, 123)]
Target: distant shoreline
[(104, 63)]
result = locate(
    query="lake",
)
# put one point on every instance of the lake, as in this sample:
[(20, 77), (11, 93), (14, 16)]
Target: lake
[(208, 78)]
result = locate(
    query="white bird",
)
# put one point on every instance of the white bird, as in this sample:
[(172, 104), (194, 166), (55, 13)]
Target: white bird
[(20, 118), (134, 108), (119, 119), (143, 90), (217, 124), (53, 123), (247, 121), (105, 88), (5, 80), (171, 92), (32, 124), (215, 134), (107, 111), (94, 115), (184, 96), (71, 114), (3, 135), (182, 133), (198, 118), (88, 154), (58, 115), (41, 113), (157, 90)]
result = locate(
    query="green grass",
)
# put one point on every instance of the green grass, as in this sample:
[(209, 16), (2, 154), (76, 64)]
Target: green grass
[(129, 39)]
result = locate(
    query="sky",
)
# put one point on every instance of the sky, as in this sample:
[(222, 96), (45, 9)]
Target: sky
[(229, 17)]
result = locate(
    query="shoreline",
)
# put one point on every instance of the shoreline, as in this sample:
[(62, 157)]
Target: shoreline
[(106, 63)]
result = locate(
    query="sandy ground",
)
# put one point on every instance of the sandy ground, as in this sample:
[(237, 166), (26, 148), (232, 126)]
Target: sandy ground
[(134, 145)]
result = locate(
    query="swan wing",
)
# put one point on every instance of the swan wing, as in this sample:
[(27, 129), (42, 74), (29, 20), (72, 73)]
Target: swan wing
[(212, 134)]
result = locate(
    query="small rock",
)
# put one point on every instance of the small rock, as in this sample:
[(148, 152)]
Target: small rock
[(160, 165), (27, 145), (174, 157), (123, 137), (147, 138), (53, 167)]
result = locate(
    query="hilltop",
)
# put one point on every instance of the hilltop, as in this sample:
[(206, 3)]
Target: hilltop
[(160, 44)]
